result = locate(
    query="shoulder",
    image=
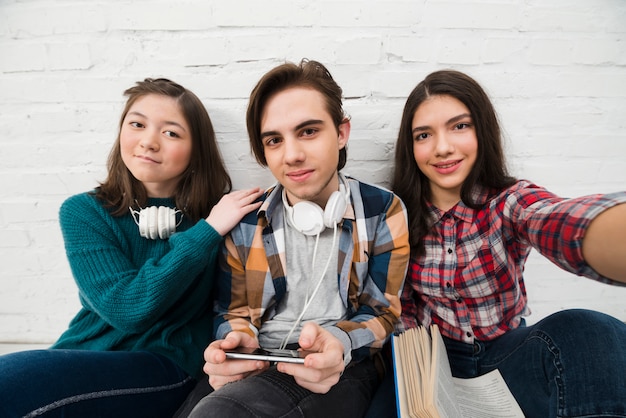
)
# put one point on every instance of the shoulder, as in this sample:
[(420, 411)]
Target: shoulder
[(81, 201), (82, 206), (374, 199), (526, 193), (243, 233)]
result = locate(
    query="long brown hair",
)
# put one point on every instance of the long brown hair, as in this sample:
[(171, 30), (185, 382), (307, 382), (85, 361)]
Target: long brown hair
[(202, 184), (489, 170), (308, 74)]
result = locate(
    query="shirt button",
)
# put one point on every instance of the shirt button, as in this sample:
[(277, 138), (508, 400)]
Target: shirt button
[(469, 334), (448, 285), (459, 300), (449, 250)]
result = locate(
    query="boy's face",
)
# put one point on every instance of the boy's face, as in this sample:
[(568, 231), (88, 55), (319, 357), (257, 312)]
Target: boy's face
[(301, 144)]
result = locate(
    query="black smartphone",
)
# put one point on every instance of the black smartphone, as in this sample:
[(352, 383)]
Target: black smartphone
[(267, 354)]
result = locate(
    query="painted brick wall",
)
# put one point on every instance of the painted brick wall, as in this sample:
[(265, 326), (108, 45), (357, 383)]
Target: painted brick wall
[(556, 70)]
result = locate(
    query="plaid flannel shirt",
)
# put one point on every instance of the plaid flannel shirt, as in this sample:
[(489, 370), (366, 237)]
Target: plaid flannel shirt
[(372, 262), (470, 283)]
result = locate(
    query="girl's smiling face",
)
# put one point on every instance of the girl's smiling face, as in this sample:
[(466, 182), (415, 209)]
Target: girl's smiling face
[(155, 143), (444, 147)]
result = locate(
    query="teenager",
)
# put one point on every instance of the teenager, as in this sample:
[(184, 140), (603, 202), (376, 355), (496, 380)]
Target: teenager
[(319, 267), (472, 226), (142, 248)]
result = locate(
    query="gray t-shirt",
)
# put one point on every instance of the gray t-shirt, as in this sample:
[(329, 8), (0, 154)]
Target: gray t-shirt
[(327, 308)]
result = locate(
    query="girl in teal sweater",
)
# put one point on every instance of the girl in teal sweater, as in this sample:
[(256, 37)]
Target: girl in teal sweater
[(142, 249)]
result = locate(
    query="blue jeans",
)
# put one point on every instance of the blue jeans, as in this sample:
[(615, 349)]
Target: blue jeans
[(81, 383), (570, 364), (274, 394)]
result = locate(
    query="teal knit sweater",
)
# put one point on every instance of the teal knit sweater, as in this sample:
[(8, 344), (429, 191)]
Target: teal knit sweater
[(139, 294)]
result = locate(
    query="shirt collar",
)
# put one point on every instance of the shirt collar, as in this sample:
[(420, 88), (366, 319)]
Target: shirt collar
[(461, 211)]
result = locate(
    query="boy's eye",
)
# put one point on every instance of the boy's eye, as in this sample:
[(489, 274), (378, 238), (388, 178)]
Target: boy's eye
[(309, 131), (272, 141)]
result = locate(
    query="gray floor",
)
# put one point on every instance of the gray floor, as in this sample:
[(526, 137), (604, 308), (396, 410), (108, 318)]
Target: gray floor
[(10, 348)]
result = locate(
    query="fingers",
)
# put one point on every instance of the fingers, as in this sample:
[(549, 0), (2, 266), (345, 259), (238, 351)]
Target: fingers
[(309, 335), (322, 368), (232, 207), (246, 195), (314, 379), (222, 371), (232, 371)]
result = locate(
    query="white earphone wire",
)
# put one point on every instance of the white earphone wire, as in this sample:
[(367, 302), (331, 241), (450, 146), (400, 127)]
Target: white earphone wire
[(309, 300)]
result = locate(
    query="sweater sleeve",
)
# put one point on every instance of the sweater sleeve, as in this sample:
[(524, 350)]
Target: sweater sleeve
[(130, 281)]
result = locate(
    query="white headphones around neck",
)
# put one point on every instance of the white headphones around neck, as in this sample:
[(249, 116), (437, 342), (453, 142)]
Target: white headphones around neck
[(156, 222), (309, 219)]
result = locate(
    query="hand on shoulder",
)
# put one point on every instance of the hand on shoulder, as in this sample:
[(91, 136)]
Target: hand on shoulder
[(232, 207)]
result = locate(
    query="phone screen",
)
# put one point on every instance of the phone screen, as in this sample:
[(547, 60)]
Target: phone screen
[(267, 354)]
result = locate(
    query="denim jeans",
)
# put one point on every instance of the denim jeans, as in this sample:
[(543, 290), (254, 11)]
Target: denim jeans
[(570, 364), (81, 383), (274, 394)]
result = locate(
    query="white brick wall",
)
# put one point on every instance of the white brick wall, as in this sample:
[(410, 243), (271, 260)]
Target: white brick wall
[(556, 70)]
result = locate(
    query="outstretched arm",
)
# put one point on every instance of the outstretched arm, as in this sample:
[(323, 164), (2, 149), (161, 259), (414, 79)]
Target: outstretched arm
[(604, 244)]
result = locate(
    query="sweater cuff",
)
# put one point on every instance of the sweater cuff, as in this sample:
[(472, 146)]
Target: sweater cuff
[(342, 336)]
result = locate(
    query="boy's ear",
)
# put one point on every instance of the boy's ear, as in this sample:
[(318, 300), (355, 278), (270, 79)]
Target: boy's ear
[(344, 133)]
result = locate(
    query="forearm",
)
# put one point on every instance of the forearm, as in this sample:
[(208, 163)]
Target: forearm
[(604, 244), (368, 332)]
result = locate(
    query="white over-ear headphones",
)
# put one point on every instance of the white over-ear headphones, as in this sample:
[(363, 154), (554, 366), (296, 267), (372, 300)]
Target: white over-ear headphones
[(309, 219), (156, 222)]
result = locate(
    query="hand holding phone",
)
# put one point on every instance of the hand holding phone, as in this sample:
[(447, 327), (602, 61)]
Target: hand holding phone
[(267, 354)]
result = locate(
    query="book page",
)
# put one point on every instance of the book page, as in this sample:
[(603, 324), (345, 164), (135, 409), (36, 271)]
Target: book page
[(423, 345), (399, 378), (413, 378), (486, 396), (445, 390)]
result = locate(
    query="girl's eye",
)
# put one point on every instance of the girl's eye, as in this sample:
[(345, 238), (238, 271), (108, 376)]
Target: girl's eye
[(171, 134), (136, 125), (421, 136), (462, 125)]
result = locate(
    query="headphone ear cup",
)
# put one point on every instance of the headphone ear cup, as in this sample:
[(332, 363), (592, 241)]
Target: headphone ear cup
[(163, 222), (143, 223), (335, 208), (171, 226), (157, 222), (151, 222), (308, 218)]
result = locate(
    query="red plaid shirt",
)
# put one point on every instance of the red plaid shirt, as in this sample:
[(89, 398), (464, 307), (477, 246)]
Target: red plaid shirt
[(470, 282)]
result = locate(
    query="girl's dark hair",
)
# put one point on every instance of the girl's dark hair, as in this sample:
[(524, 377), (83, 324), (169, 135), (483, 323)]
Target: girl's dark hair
[(489, 170), (308, 74), (202, 184)]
